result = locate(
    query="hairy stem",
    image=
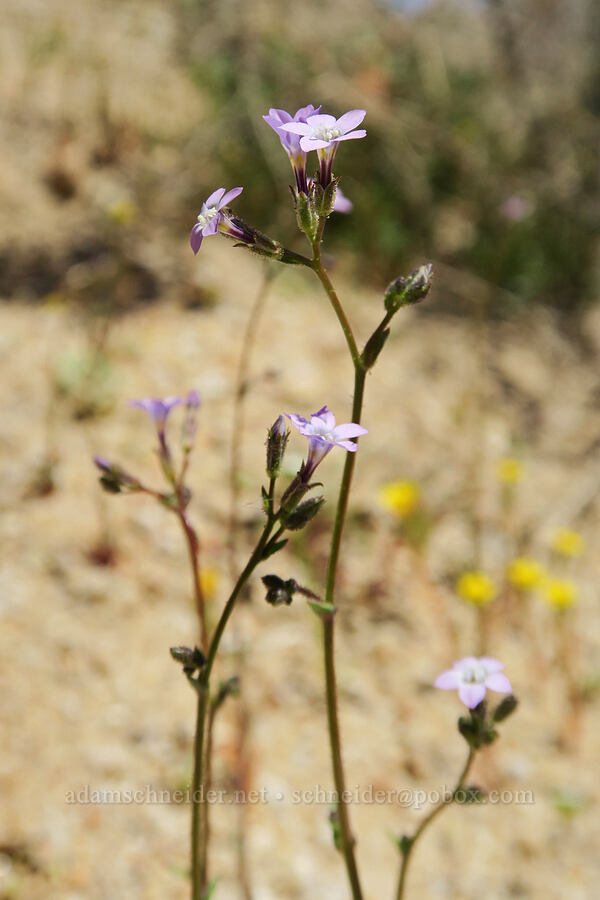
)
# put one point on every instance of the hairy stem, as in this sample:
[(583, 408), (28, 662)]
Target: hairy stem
[(433, 814)]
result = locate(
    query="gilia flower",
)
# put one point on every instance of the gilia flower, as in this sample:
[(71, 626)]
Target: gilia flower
[(213, 218), (157, 409), (323, 435), (291, 142), (559, 593), (476, 587), (472, 677), (400, 497), (524, 573), (323, 133), (568, 543)]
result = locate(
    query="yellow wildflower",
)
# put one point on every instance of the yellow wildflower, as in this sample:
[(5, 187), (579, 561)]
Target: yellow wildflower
[(524, 573), (559, 593), (509, 470), (568, 543), (476, 587), (209, 578), (400, 497)]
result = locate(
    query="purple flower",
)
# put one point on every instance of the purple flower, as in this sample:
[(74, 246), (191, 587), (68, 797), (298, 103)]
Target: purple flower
[(211, 218), (323, 434), (157, 409), (323, 133), (291, 142), (472, 677)]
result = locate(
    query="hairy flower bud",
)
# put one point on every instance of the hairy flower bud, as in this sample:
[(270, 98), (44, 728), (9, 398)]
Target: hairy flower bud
[(306, 214), (277, 439), (409, 290), (303, 513)]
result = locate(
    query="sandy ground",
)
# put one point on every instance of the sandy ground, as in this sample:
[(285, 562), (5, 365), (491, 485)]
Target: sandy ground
[(91, 697)]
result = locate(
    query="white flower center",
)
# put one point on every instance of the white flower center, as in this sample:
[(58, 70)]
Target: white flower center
[(475, 674), (323, 133), (319, 430), (205, 217)]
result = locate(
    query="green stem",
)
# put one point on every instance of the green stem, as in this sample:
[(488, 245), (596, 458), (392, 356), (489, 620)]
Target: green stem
[(199, 873), (346, 837), (407, 851), (323, 277)]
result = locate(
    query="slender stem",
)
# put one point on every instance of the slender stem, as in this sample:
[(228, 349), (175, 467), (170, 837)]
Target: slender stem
[(193, 553), (406, 853), (335, 741), (199, 874), (323, 277)]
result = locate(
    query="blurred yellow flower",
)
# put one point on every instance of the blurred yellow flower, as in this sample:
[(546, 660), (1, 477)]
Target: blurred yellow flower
[(122, 212), (568, 543), (209, 578), (559, 594), (476, 588), (400, 497), (509, 470), (524, 573)]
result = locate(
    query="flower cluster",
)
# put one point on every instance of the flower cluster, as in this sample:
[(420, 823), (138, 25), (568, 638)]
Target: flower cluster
[(305, 131)]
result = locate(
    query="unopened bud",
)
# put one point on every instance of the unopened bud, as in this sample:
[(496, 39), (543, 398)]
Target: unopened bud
[(409, 290), (306, 214), (303, 513), (505, 708), (278, 590), (325, 198), (190, 659), (277, 439), (114, 479), (294, 493)]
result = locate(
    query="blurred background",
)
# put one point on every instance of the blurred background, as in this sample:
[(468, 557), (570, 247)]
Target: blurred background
[(117, 120)]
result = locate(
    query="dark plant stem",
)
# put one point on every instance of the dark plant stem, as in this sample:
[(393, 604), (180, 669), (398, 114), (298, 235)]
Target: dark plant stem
[(426, 822), (346, 837)]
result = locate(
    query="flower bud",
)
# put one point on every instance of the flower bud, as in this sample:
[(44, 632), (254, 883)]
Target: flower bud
[(277, 439), (295, 491), (189, 659), (505, 708), (306, 215), (409, 290), (324, 201), (114, 479), (303, 513), (278, 590)]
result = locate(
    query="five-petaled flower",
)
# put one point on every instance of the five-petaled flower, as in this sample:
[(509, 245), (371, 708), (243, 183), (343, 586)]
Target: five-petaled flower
[(472, 677), (213, 217), (291, 142), (323, 435), (324, 133)]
